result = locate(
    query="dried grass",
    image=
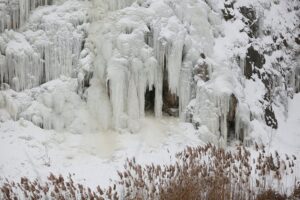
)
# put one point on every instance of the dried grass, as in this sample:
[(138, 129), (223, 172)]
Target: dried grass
[(199, 173)]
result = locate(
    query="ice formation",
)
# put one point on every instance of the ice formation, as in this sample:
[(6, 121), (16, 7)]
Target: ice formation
[(218, 65), (14, 13), (45, 49), (147, 48)]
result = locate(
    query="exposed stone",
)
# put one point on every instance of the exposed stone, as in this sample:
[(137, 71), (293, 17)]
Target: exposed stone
[(87, 77), (233, 102), (251, 20), (201, 71), (150, 99), (270, 117), (297, 80), (228, 11), (232, 108), (268, 82), (253, 60), (297, 39)]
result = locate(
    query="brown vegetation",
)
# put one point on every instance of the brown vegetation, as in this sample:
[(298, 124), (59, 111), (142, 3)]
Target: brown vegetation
[(198, 173)]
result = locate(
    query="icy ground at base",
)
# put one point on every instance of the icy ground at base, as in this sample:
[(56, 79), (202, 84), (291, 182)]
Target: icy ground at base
[(93, 158)]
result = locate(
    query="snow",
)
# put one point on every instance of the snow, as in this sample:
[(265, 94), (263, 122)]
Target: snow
[(289, 128), (94, 157)]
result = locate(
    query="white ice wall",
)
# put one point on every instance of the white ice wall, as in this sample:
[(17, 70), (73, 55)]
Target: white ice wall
[(14, 13), (48, 47), (135, 46)]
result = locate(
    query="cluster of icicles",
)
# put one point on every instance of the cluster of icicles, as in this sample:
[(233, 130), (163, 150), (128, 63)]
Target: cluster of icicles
[(14, 13), (129, 52), (136, 51), (132, 57), (39, 54), (31, 65)]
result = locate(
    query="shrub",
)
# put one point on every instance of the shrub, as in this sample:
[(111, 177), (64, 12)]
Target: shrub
[(199, 173)]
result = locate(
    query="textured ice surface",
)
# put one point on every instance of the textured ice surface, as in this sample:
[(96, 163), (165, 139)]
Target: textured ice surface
[(47, 47), (120, 50)]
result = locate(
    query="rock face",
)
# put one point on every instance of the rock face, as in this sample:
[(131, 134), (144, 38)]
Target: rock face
[(231, 120), (251, 20), (228, 11), (201, 71), (270, 117), (150, 100), (253, 60)]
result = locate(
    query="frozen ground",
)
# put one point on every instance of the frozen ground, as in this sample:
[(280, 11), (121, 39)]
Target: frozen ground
[(93, 158)]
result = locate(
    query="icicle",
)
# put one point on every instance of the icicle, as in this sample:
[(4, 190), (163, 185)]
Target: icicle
[(140, 81), (242, 121), (174, 64), (14, 13), (133, 106), (119, 4), (22, 67), (185, 90), (29, 62), (118, 78), (211, 110), (158, 91)]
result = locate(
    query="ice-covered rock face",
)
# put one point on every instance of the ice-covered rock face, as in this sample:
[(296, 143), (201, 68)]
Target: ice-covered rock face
[(150, 46), (221, 65)]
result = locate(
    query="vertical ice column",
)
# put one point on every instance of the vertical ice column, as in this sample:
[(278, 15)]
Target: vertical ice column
[(174, 62), (222, 103), (211, 110), (140, 81), (133, 106), (159, 47), (119, 4), (242, 121), (158, 91), (118, 79), (3, 69), (99, 104), (25, 8), (185, 87), (23, 69), (112, 5), (60, 55)]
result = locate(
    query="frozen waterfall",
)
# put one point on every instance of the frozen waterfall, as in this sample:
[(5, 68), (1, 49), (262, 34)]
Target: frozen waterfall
[(14, 13)]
